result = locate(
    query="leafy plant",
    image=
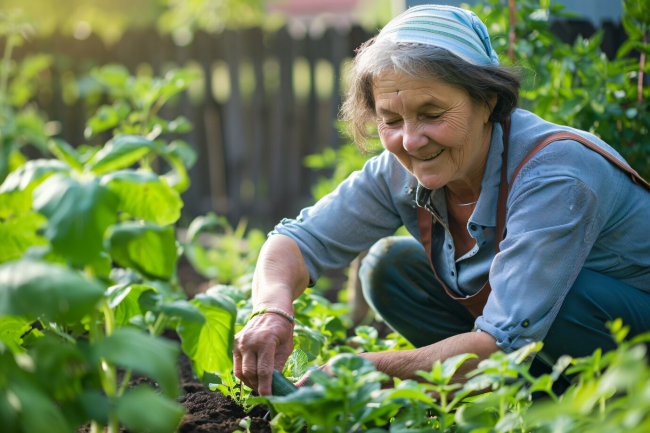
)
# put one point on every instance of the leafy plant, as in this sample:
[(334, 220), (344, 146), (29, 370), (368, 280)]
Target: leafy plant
[(228, 255), (21, 123), (232, 387), (89, 255)]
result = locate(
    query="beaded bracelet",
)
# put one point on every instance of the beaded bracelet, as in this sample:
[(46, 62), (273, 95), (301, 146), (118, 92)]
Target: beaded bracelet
[(282, 313)]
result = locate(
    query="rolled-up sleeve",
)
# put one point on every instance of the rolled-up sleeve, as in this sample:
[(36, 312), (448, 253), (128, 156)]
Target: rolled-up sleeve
[(552, 223), (338, 227)]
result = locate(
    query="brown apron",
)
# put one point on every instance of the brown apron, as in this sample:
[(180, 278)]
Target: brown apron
[(476, 302)]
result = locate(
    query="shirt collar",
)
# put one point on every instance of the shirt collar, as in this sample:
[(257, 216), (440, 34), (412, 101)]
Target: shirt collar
[(485, 212)]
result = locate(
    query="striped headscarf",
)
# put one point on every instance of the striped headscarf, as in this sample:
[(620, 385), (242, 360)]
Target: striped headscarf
[(456, 30)]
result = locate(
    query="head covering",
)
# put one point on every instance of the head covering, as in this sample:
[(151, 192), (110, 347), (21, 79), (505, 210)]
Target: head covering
[(457, 30)]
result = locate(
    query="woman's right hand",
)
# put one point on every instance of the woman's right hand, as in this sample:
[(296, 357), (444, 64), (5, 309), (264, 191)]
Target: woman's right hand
[(263, 345)]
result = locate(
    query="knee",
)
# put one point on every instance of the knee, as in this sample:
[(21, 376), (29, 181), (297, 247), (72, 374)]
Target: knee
[(385, 264)]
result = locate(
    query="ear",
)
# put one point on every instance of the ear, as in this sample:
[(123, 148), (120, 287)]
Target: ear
[(489, 107)]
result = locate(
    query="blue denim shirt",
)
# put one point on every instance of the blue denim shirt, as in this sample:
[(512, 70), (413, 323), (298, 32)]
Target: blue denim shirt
[(568, 208)]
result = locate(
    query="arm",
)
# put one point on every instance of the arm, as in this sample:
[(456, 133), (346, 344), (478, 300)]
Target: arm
[(266, 341), (404, 364)]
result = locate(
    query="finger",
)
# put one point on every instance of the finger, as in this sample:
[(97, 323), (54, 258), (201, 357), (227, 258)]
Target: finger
[(237, 364), (249, 369), (265, 367)]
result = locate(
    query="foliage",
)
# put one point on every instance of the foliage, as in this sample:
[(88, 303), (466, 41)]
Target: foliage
[(576, 84), (88, 283), (21, 123), (227, 256)]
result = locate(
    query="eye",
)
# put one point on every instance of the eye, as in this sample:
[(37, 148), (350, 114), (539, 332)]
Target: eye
[(432, 116), (392, 121)]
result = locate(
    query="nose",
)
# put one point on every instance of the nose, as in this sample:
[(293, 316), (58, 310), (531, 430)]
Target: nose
[(413, 138)]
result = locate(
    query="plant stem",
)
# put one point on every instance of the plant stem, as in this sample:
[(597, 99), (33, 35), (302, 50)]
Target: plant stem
[(512, 35), (125, 382), (644, 39), (158, 326), (94, 427)]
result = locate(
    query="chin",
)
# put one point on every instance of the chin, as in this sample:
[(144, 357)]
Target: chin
[(430, 181)]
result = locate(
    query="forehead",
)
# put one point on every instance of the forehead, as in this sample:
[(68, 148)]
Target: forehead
[(390, 84)]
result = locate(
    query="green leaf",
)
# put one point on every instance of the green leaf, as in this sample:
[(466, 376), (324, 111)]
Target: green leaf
[(184, 310), (124, 299), (143, 409), (145, 247), (209, 345), (121, 152), (296, 365), (346, 362), (37, 289), (14, 203), (145, 195), (64, 152), (107, 117), (112, 75), (19, 233), (183, 150), (78, 215), (451, 365), (180, 125), (12, 328), (308, 340), (32, 173), (151, 356), (38, 413), (203, 223)]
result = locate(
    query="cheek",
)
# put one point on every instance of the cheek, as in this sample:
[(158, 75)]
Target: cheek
[(391, 138)]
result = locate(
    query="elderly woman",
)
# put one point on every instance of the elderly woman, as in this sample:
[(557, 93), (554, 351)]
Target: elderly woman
[(533, 231)]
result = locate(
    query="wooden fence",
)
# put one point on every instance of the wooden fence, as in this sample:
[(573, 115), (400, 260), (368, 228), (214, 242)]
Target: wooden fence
[(264, 103)]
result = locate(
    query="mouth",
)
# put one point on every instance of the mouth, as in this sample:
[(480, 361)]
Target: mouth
[(432, 156)]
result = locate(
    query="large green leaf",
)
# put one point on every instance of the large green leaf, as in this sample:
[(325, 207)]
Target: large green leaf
[(78, 216), (145, 247), (64, 152), (121, 152), (124, 299), (154, 357), (12, 328), (30, 172), (14, 203), (145, 195), (143, 409), (209, 345), (19, 233), (38, 289), (37, 412)]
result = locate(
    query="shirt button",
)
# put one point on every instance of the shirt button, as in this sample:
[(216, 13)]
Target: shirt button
[(525, 323), (452, 273), (449, 246), (472, 227)]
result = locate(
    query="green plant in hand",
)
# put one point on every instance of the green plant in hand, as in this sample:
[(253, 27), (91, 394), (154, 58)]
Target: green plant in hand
[(342, 403)]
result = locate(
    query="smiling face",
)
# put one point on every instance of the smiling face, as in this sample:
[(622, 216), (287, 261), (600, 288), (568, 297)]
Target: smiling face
[(435, 130)]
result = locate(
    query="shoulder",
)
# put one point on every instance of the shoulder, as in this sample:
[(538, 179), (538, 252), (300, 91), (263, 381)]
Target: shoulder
[(566, 158)]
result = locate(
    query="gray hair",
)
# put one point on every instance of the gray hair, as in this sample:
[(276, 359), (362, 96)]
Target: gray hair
[(422, 61)]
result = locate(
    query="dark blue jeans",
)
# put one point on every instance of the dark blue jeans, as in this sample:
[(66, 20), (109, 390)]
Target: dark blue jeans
[(399, 284)]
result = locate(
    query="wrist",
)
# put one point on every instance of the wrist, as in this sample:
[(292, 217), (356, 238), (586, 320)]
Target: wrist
[(272, 310)]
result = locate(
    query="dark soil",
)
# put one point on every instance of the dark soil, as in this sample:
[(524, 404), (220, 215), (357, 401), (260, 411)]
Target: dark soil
[(206, 411), (213, 412)]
